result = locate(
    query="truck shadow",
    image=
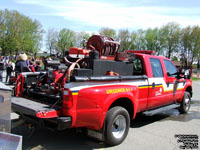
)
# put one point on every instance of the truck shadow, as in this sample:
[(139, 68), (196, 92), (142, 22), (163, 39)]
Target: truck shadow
[(143, 120), (58, 140), (71, 139), (172, 115)]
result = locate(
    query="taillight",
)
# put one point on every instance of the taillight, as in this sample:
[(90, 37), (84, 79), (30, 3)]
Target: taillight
[(67, 99)]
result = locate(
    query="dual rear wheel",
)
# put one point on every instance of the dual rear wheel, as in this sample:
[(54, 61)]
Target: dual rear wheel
[(116, 125)]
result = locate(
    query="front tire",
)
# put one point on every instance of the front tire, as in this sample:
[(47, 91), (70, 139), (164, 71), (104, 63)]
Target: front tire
[(116, 125), (185, 104)]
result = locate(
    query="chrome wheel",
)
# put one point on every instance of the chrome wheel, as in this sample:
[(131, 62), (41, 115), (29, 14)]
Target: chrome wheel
[(187, 103), (119, 126), (116, 125)]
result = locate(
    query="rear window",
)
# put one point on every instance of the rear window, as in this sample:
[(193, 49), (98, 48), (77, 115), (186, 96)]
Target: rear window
[(137, 67)]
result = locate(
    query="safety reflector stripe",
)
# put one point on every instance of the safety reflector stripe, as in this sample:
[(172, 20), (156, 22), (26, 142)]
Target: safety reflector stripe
[(149, 86), (75, 92)]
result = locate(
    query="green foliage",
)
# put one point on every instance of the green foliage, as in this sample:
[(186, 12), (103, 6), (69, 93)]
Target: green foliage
[(195, 42), (66, 39), (19, 33), (108, 32), (174, 58), (80, 37), (51, 40), (195, 79), (138, 40), (151, 38), (190, 44), (124, 39), (172, 35)]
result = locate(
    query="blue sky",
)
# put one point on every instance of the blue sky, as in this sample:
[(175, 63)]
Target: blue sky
[(91, 15)]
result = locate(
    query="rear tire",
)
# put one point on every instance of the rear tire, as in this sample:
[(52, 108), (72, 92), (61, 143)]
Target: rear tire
[(116, 125), (185, 104)]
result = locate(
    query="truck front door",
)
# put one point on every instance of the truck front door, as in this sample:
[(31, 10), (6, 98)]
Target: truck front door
[(157, 96), (173, 85)]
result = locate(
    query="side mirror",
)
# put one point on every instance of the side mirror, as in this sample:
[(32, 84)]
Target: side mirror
[(186, 74), (176, 75), (168, 74)]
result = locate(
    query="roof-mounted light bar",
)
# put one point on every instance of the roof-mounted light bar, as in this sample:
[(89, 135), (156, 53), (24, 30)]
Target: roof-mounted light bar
[(141, 51)]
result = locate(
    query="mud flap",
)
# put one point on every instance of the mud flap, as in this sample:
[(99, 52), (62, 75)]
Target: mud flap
[(96, 134)]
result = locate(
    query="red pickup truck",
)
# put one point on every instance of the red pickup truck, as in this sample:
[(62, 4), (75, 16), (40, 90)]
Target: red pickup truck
[(104, 96)]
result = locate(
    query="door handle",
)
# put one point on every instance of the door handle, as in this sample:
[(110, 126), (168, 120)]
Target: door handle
[(167, 83), (153, 85)]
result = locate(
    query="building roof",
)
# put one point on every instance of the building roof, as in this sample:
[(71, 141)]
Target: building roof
[(177, 63), (43, 54)]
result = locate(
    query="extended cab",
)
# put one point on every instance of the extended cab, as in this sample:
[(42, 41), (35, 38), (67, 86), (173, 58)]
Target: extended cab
[(104, 96)]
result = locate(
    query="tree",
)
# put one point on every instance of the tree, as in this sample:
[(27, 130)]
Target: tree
[(137, 40), (108, 32), (51, 40), (66, 39), (151, 39), (31, 36), (198, 59), (161, 41), (79, 37), (172, 35), (19, 33), (184, 44), (190, 44), (124, 39), (195, 44), (132, 45)]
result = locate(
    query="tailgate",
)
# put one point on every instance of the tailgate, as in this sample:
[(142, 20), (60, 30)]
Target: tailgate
[(29, 107)]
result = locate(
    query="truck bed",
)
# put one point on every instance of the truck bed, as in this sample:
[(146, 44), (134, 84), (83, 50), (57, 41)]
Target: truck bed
[(34, 108)]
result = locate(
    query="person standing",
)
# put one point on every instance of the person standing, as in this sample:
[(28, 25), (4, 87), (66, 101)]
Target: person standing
[(13, 66), (38, 66), (6, 60), (9, 71), (21, 63), (32, 66), (1, 68)]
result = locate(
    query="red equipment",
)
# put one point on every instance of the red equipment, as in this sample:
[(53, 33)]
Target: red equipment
[(78, 52), (106, 46)]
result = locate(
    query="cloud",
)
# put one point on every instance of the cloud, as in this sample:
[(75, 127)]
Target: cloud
[(36, 2), (116, 15)]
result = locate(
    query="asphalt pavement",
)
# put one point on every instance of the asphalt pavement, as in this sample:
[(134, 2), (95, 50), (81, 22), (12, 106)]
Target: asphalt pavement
[(161, 131)]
